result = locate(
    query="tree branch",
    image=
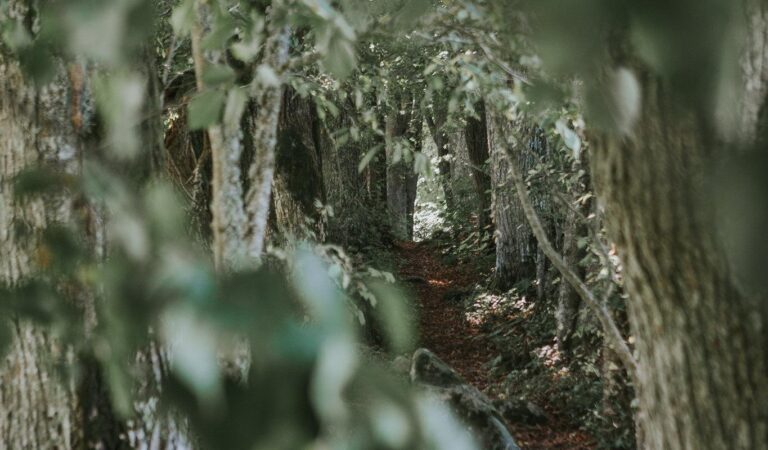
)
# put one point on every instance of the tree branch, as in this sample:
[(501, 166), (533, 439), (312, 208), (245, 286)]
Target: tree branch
[(611, 331)]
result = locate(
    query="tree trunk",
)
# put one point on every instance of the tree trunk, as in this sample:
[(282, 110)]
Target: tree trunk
[(298, 177), (437, 124), (476, 134), (401, 180), (515, 245), (703, 377), (568, 300), (227, 207), (265, 122), (358, 199), (46, 125)]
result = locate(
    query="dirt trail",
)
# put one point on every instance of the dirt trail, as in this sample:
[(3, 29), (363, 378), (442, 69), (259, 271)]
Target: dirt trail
[(445, 330), (441, 324)]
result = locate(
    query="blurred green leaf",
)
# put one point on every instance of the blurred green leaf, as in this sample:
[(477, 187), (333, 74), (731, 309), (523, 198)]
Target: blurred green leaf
[(183, 17), (217, 74), (193, 355), (205, 109), (40, 181), (368, 158), (395, 315), (223, 28)]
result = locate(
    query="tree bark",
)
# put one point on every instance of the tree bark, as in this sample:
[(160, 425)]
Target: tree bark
[(401, 180), (265, 122), (298, 175), (568, 302), (437, 123), (358, 199), (574, 229), (515, 244), (702, 381), (476, 134), (48, 126)]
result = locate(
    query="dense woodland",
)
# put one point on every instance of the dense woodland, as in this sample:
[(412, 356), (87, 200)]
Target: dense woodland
[(383, 224)]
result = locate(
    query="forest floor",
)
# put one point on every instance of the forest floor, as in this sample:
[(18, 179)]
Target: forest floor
[(461, 340)]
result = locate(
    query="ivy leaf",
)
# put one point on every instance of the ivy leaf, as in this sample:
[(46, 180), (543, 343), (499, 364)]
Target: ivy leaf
[(205, 109)]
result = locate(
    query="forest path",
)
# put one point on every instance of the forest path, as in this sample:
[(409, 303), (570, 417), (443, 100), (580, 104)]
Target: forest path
[(445, 329), (442, 326)]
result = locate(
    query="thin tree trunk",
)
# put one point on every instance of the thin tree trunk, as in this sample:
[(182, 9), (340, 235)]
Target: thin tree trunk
[(569, 302), (436, 124), (227, 209), (265, 122), (400, 176)]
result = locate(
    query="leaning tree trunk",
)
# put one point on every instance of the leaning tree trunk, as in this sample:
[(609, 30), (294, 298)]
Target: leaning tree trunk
[(265, 122), (476, 134), (703, 377)]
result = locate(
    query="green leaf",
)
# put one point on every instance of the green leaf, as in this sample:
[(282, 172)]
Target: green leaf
[(412, 12), (40, 181), (183, 17), (267, 76), (570, 138), (120, 99), (217, 74), (421, 164), (193, 353), (368, 157), (223, 28), (246, 49), (205, 109), (38, 62), (340, 56), (394, 314)]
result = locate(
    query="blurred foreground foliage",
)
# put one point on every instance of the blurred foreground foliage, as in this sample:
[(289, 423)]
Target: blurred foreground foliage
[(258, 358)]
